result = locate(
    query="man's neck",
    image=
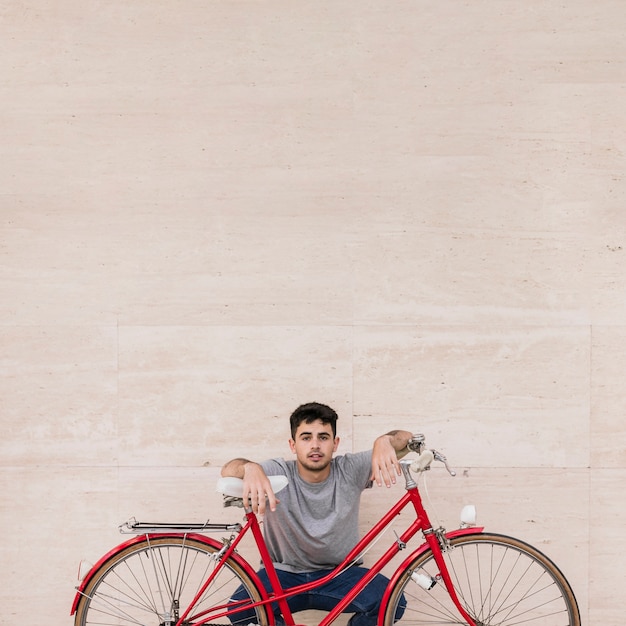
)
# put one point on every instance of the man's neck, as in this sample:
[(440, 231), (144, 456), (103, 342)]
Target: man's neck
[(310, 476)]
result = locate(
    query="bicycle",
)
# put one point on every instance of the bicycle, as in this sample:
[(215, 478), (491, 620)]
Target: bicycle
[(176, 575)]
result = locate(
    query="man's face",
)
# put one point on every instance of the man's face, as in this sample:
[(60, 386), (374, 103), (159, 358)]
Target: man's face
[(314, 446)]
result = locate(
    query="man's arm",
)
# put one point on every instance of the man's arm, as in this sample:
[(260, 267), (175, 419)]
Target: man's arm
[(386, 452), (256, 484)]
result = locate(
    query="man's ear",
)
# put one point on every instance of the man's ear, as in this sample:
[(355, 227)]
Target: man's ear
[(292, 445), (336, 444)]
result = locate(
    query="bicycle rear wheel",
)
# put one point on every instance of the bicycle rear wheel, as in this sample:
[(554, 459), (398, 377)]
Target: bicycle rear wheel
[(152, 583), (500, 581)]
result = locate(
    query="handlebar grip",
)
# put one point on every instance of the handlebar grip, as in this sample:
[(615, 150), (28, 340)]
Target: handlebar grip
[(423, 461)]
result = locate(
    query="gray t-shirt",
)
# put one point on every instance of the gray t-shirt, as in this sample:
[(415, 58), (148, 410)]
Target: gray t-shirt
[(315, 525)]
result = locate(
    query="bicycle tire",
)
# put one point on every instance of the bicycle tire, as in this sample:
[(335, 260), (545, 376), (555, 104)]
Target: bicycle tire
[(500, 581), (152, 582)]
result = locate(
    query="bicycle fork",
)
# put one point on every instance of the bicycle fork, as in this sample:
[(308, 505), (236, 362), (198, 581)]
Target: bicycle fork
[(438, 544), (435, 539)]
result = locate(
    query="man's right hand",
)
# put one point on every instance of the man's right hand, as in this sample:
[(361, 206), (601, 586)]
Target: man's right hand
[(257, 488)]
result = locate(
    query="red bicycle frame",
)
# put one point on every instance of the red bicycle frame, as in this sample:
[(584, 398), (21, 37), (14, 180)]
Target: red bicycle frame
[(280, 595)]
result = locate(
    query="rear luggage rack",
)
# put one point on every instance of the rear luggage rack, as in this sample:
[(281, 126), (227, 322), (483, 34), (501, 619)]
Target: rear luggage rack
[(132, 526)]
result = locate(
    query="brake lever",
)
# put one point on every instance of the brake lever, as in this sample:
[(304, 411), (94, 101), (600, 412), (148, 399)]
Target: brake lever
[(440, 457)]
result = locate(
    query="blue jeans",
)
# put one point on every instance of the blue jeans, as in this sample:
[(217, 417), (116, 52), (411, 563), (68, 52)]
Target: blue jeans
[(365, 606)]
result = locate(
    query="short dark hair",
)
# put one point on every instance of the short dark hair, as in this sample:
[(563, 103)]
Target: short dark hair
[(311, 412)]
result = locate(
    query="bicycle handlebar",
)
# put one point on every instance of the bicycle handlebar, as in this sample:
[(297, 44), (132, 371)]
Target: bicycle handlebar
[(426, 457)]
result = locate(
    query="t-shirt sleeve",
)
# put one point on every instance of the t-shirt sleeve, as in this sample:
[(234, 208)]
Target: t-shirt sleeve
[(274, 467), (358, 467)]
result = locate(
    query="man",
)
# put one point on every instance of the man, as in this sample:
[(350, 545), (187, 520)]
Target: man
[(314, 525)]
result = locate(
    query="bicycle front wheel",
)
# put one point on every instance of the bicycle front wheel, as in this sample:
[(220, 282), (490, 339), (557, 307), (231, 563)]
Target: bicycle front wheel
[(152, 583), (499, 580)]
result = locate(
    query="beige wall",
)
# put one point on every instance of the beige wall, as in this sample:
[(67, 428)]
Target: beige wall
[(213, 211)]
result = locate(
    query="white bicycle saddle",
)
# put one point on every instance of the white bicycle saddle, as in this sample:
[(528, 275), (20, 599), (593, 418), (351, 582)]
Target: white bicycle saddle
[(233, 487)]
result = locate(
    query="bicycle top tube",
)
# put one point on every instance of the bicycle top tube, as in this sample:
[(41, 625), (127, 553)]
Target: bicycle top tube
[(279, 595)]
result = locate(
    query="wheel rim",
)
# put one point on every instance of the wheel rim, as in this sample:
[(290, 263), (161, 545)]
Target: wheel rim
[(499, 582), (153, 583)]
